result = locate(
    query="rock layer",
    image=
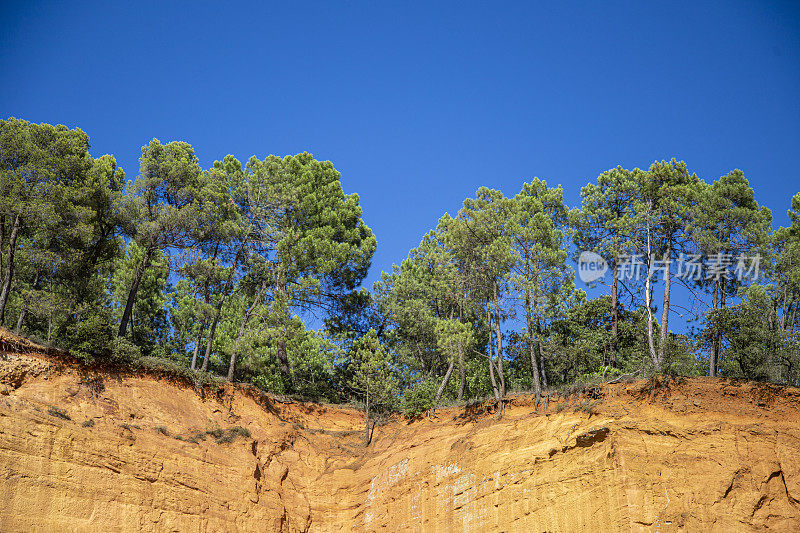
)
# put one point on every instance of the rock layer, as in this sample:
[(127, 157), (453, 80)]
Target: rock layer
[(84, 450)]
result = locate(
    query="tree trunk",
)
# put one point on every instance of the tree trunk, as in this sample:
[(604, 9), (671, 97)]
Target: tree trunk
[(721, 306), (614, 317), (422, 364), (21, 317), (2, 237), (9, 272), (283, 359), (137, 278), (24, 307), (245, 320), (220, 305), (648, 304), (650, 341), (662, 340), (537, 384), (499, 344), (462, 371), (445, 380), (541, 362), (366, 413), (450, 367), (495, 389), (197, 345), (714, 356), (201, 315), (499, 389)]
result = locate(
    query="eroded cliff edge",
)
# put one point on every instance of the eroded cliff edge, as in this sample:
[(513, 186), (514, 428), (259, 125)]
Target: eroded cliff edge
[(87, 450)]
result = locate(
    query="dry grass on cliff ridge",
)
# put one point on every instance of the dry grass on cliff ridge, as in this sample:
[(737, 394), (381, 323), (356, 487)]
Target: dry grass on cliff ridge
[(205, 384), (587, 397), (16, 344), (155, 367)]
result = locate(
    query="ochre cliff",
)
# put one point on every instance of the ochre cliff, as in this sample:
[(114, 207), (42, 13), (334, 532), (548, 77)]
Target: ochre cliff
[(85, 450)]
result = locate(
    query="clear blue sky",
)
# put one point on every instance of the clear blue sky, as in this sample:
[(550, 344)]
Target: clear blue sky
[(420, 104)]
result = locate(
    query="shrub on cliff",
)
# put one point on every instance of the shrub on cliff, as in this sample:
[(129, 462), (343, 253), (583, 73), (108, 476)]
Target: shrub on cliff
[(420, 398), (93, 339)]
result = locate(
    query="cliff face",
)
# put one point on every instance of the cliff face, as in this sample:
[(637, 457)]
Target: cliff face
[(87, 451)]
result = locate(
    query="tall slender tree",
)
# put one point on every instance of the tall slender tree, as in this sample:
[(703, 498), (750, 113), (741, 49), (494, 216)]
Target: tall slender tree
[(536, 221), (307, 234), (40, 167), (671, 192), (727, 224), (606, 224), (372, 376), (163, 206), (484, 251), (227, 233)]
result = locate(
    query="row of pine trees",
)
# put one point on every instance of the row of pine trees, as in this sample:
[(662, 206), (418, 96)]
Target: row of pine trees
[(221, 271)]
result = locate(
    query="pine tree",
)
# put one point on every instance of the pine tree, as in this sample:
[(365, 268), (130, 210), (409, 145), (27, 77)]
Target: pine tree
[(606, 224), (163, 207), (308, 242), (670, 193), (728, 223), (537, 217), (372, 376)]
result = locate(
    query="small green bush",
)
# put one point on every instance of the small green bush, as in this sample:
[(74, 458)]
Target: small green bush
[(58, 413), (90, 338), (124, 351), (240, 431), (216, 433), (420, 398), (230, 435), (163, 430), (221, 436), (88, 423)]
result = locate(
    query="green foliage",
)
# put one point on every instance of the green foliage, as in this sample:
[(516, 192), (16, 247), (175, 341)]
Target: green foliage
[(226, 437), (59, 226), (220, 436), (420, 301), (680, 358), (92, 338), (148, 319), (58, 413), (123, 350), (610, 214), (310, 356), (605, 372), (372, 374), (162, 210), (752, 344), (420, 397), (218, 266)]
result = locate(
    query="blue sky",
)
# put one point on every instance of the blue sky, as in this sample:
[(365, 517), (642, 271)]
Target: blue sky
[(420, 104)]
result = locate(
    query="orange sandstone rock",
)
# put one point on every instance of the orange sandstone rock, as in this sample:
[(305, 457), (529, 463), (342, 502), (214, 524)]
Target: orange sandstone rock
[(696, 455)]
